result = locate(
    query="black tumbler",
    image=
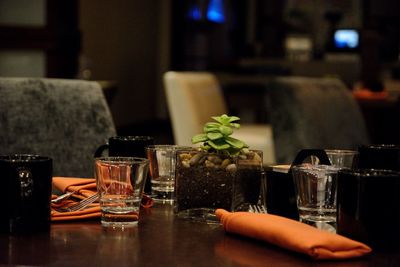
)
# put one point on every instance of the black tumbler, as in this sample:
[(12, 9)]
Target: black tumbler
[(27, 183), (368, 203), (380, 156)]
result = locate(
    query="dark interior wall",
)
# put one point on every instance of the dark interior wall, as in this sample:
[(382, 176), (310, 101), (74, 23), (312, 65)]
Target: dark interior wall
[(120, 43)]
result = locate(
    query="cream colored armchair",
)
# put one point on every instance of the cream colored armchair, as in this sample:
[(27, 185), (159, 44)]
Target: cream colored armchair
[(193, 97)]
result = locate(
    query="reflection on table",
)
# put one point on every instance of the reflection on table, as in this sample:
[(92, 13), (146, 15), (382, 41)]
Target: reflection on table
[(160, 239)]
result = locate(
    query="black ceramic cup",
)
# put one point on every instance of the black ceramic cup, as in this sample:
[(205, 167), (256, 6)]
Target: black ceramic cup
[(127, 146), (27, 183), (381, 156), (368, 207), (280, 194)]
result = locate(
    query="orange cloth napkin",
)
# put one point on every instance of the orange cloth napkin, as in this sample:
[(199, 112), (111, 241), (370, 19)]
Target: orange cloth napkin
[(365, 94), (83, 188), (292, 235)]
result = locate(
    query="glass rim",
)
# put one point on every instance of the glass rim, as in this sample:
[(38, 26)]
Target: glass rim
[(341, 151), (24, 158), (119, 160), (380, 146), (315, 167), (132, 138), (371, 172), (197, 149), (168, 147)]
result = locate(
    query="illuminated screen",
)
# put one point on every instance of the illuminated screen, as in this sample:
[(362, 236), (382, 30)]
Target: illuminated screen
[(346, 39)]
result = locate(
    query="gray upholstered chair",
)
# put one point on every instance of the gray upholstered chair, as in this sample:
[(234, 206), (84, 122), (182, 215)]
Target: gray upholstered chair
[(63, 119), (313, 113)]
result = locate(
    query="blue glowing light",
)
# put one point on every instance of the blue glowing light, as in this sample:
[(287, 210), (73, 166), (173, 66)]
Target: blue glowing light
[(215, 11), (194, 13), (346, 39)]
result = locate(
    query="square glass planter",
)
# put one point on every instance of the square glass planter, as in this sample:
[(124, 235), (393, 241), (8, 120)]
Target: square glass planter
[(205, 182)]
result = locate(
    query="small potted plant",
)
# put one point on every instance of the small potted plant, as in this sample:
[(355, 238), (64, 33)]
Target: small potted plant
[(222, 173)]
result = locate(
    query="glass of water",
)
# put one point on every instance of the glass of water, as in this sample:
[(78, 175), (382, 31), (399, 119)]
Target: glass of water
[(315, 188), (120, 183), (162, 171)]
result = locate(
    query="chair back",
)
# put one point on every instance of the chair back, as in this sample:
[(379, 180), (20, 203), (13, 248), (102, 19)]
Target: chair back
[(63, 119), (192, 98), (313, 113)]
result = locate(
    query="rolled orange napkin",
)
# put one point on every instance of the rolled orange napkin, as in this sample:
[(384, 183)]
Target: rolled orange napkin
[(83, 188), (291, 235)]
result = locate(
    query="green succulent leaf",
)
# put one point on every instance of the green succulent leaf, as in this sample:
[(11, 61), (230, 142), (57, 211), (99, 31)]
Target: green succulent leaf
[(225, 130), (212, 124), (233, 118), (211, 130), (235, 142), (199, 138), (223, 119), (211, 127), (218, 119), (235, 125), (218, 145), (214, 136), (205, 147)]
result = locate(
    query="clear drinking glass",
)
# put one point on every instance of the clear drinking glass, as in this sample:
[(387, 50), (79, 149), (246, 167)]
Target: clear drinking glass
[(120, 183), (340, 158), (162, 171), (315, 188)]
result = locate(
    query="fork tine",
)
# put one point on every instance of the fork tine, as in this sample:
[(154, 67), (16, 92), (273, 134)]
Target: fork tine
[(257, 209), (263, 209), (251, 209), (81, 204), (63, 196)]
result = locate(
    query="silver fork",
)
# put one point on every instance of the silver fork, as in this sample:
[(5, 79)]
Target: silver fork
[(63, 196), (80, 205), (257, 209)]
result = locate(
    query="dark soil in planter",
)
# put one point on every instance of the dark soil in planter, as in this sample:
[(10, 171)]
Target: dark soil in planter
[(207, 187)]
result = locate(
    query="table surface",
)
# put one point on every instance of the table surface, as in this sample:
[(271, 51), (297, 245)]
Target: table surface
[(160, 239)]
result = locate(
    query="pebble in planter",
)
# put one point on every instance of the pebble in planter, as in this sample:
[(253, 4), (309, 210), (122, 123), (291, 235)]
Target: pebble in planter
[(223, 173)]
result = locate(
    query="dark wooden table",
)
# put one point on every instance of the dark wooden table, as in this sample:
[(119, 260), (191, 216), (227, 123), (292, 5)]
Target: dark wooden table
[(160, 239)]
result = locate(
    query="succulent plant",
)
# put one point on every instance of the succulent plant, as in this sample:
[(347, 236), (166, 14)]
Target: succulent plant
[(216, 136)]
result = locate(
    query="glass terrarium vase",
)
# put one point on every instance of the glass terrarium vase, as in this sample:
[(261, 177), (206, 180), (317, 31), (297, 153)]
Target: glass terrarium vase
[(208, 181)]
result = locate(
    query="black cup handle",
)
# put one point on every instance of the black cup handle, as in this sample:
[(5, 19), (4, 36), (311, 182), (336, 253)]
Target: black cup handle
[(305, 153), (100, 150)]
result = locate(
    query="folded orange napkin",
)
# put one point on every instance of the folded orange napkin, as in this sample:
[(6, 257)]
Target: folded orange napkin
[(83, 188), (292, 235)]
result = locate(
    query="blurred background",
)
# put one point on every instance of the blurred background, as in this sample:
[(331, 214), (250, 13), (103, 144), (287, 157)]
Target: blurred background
[(127, 45)]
